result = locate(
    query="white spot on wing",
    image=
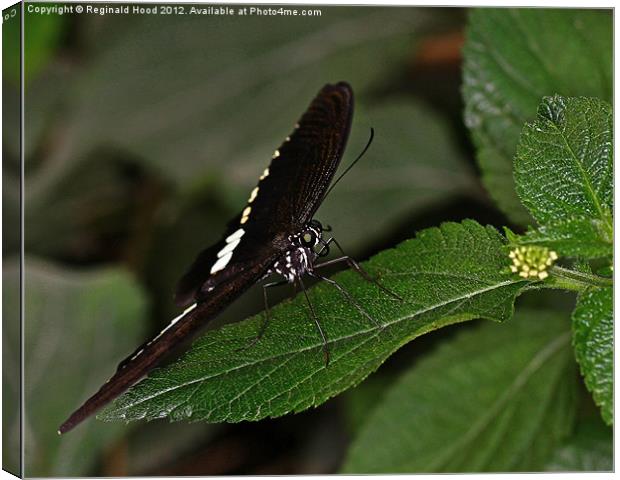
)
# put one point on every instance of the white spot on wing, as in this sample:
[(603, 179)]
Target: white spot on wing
[(245, 215), (228, 248), (265, 174), (237, 234), (276, 154), (253, 195), (221, 263)]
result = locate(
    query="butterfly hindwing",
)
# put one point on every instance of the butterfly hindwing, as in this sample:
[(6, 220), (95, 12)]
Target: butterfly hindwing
[(214, 265)]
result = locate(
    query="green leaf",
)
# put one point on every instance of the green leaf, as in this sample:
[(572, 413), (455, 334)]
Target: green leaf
[(589, 449), (605, 271), (77, 324), (593, 330), (563, 171), (574, 237), (497, 398), (446, 275), (564, 161), (514, 57)]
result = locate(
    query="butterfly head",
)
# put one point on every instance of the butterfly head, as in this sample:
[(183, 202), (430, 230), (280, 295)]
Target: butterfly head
[(312, 236)]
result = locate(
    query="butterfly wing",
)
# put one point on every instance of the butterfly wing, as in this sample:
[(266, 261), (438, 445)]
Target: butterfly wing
[(286, 197), (288, 193)]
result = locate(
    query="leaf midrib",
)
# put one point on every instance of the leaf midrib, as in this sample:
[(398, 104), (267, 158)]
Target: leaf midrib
[(331, 341), (586, 179)]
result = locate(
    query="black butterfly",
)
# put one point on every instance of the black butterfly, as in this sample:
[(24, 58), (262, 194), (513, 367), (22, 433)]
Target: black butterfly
[(274, 233)]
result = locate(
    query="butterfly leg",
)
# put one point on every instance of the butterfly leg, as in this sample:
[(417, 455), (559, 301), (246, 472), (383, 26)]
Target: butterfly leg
[(349, 297), (266, 317), (352, 264), (317, 323)]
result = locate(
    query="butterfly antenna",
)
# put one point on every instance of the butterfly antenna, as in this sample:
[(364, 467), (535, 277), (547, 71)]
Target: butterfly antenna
[(372, 135)]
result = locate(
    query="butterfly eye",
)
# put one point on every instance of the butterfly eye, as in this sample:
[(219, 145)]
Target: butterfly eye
[(308, 239)]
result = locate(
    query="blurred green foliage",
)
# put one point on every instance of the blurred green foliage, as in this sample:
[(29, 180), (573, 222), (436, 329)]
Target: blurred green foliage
[(11, 34), (103, 311), (42, 38), (589, 449), (514, 57)]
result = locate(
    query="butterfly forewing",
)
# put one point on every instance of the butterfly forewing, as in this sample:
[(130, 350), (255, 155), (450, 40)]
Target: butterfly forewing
[(305, 163), (288, 193)]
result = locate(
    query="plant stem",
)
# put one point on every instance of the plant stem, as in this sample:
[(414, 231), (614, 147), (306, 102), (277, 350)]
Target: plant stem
[(579, 281)]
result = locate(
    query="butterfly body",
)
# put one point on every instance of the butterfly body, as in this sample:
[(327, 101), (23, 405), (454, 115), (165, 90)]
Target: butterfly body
[(274, 234), (299, 257)]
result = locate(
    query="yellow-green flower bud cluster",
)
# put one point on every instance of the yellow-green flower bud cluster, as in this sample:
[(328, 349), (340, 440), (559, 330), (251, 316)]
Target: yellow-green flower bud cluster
[(532, 261)]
